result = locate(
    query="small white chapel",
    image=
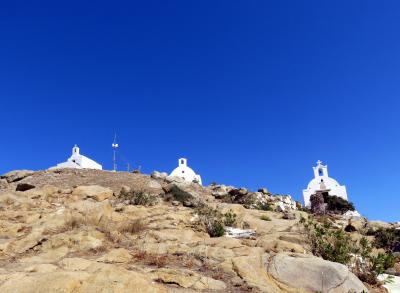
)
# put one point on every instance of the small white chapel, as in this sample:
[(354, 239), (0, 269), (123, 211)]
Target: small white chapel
[(78, 161), (322, 182), (186, 172)]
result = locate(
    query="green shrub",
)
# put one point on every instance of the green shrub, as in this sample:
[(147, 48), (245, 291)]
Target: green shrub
[(336, 245), (265, 218), (230, 218), (389, 239), (138, 198), (212, 220), (337, 204), (217, 229)]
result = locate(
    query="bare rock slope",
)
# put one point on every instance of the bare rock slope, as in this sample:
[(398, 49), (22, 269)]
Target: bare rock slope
[(75, 231)]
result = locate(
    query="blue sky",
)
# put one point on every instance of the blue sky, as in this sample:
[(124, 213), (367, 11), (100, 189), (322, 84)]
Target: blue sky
[(253, 93)]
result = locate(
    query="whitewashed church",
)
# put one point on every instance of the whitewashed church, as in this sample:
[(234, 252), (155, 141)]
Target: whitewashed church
[(186, 172), (78, 161), (322, 182)]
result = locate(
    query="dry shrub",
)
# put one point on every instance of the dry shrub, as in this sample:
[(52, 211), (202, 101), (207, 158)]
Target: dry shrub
[(132, 226), (151, 259)]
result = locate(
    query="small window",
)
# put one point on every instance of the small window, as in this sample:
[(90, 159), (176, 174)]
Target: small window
[(320, 172), (183, 171), (182, 162)]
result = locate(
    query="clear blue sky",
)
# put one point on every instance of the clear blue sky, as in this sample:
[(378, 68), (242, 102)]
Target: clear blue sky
[(253, 93)]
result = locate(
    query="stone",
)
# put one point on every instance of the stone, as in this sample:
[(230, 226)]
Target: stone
[(317, 275), (65, 191), (173, 179), (289, 216), (175, 203), (3, 184), (188, 279), (17, 175), (41, 268), (240, 233), (252, 270), (120, 255), (263, 191), (75, 264), (153, 184), (393, 285), (125, 190), (317, 204), (242, 191), (96, 192), (24, 187), (158, 175)]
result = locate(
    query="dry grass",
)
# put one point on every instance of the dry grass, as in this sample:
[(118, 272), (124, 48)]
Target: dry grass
[(132, 226), (114, 231), (151, 259)]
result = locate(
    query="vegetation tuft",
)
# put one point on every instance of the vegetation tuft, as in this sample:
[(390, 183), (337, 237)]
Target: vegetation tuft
[(337, 204), (230, 218), (265, 218), (336, 245), (214, 221), (138, 198), (386, 238)]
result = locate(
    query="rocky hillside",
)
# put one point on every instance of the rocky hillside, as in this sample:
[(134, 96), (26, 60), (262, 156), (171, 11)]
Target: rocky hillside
[(99, 231)]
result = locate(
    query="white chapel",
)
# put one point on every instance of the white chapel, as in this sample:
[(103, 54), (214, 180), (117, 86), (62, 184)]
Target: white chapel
[(78, 161), (322, 182), (186, 172)]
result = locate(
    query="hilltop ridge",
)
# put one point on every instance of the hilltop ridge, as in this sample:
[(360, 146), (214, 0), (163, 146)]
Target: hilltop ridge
[(98, 231)]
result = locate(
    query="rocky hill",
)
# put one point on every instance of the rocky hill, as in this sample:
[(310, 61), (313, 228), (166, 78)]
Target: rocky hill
[(98, 231)]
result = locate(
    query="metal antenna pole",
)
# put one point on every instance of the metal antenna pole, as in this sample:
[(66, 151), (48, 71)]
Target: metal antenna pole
[(114, 147)]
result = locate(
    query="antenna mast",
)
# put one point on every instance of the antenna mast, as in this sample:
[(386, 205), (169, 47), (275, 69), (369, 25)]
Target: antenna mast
[(115, 147)]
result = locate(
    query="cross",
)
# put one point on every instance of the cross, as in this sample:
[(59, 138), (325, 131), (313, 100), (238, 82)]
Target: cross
[(319, 162)]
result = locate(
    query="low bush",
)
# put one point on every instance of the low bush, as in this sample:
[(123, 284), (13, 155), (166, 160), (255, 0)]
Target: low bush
[(337, 204), (138, 198), (265, 218), (336, 245), (388, 238), (230, 218), (132, 227), (212, 220)]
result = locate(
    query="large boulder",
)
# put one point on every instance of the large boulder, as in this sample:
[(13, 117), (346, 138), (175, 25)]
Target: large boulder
[(174, 179), (313, 274), (158, 175), (17, 175), (96, 192)]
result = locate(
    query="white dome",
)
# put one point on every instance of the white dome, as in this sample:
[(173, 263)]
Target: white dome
[(322, 181), (315, 184), (185, 172)]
